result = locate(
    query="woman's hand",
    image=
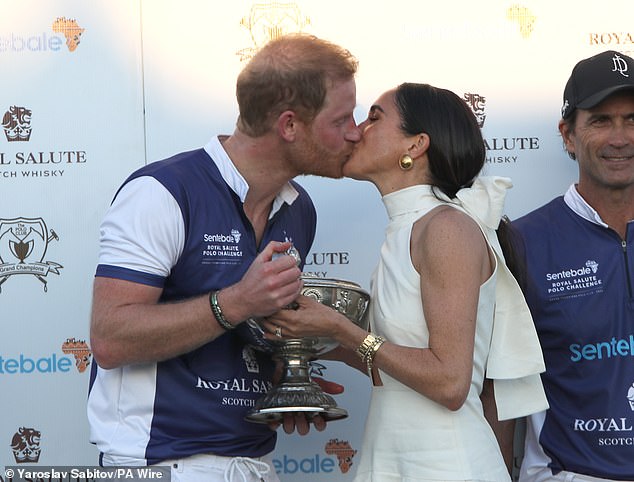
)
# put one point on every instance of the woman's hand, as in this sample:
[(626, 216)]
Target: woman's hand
[(309, 319)]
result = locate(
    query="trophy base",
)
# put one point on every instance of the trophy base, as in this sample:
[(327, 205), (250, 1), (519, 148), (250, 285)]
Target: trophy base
[(276, 414), (306, 398)]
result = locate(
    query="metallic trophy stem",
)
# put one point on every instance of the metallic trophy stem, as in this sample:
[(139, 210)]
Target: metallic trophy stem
[(295, 392)]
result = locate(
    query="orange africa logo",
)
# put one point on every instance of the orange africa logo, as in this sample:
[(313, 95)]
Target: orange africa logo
[(69, 28)]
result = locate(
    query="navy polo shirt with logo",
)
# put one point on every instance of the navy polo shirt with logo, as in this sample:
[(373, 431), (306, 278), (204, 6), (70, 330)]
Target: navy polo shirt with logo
[(195, 403), (580, 293)]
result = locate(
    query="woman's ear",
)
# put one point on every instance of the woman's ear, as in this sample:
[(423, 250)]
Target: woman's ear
[(419, 146)]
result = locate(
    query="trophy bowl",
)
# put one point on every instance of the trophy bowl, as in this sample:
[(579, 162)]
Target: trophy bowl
[(295, 391)]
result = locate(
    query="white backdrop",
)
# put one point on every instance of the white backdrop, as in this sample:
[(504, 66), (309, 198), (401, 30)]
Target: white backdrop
[(149, 78)]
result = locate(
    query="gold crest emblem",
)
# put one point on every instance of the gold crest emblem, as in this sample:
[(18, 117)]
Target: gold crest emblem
[(523, 17), (268, 21)]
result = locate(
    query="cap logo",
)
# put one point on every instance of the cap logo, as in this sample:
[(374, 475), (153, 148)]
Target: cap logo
[(620, 65), (564, 109)]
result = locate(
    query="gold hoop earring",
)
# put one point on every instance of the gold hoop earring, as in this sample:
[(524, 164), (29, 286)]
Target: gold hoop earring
[(405, 162)]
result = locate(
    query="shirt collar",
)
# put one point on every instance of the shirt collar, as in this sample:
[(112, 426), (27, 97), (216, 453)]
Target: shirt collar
[(574, 201), (237, 183)]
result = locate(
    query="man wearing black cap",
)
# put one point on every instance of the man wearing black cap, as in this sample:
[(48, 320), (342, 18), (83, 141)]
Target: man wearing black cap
[(580, 272)]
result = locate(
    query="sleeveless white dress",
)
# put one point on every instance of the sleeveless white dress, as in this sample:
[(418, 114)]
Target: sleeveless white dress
[(409, 437)]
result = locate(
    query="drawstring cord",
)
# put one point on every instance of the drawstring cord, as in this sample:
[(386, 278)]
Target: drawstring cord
[(237, 464)]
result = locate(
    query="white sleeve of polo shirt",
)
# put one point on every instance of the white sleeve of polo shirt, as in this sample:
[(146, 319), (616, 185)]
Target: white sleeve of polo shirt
[(143, 229)]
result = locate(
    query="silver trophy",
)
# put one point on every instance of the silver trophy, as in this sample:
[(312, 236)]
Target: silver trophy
[(295, 391)]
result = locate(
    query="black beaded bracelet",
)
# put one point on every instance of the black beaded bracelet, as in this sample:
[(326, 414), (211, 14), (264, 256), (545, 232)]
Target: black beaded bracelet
[(217, 311)]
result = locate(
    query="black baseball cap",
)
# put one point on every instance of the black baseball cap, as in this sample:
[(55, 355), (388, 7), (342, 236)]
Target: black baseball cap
[(595, 78)]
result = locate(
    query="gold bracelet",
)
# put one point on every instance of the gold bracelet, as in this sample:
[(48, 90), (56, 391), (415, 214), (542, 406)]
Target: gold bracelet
[(368, 348), (366, 345), (217, 311), (369, 360)]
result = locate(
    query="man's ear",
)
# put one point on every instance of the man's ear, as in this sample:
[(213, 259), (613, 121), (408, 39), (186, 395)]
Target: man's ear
[(287, 125), (420, 145), (566, 133)]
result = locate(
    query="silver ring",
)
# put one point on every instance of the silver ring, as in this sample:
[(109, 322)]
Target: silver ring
[(278, 332)]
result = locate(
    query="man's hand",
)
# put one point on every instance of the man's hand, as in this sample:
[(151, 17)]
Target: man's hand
[(269, 284), (299, 422)]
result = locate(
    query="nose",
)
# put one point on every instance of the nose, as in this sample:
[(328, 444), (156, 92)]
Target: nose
[(353, 133), (621, 133)]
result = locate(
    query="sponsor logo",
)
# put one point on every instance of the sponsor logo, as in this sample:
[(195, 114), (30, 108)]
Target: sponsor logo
[(80, 351), (16, 123), (316, 464), (238, 386), (603, 425), (630, 396), (23, 246), (25, 445), (68, 30), (23, 364), (506, 150), (250, 361), (500, 150), (268, 21), (233, 237), (222, 248), (318, 263), (343, 451), (582, 280), (477, 104), (523, 17), (611, 431), (621, 41), (601, 350)]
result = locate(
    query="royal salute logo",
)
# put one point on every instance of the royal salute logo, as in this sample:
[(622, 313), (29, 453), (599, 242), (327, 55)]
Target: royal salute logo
[(69, 28), (270, 20), (621, 41), (250, 360), (16, 123), (343, 451), (500, 150), (23, 246), (80, 351), (320, 263), (25, 445), (476, 103), (524, 19)]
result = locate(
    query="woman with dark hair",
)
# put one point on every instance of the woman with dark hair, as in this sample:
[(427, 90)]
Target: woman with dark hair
[(446, 313)]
